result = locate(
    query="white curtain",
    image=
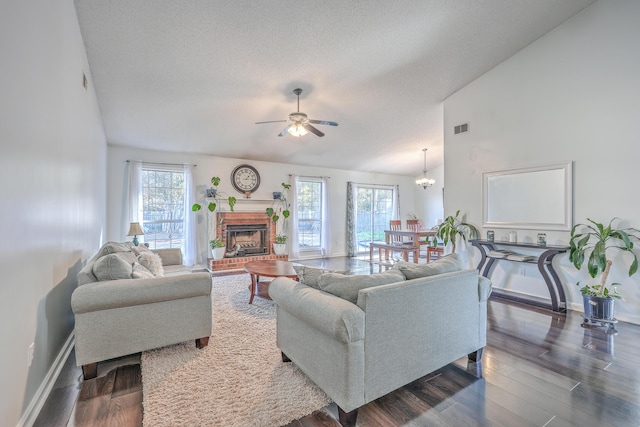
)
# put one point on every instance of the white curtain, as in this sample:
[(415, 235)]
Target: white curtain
[(396, 202), (326, 223), (352, 219), (132, 207), (294, 247), (190, 236)]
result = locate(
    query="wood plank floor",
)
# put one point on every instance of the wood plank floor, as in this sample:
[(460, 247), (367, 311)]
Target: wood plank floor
[(539, 369)]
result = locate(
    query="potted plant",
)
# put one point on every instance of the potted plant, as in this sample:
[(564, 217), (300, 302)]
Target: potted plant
[(218, 248), (598, 241), (280, 207), (452, 227), (213, 198), (280, 245)]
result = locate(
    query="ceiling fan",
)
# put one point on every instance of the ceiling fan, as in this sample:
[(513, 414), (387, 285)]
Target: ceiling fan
[(299, 124)]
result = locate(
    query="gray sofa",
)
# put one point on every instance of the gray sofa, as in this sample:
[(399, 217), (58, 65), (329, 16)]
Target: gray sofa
[(117, 315), (369, 341)]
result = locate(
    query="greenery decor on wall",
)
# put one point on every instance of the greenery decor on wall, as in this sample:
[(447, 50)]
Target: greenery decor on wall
[(452, 227), (214, 197), (598, 241), (280, 207)]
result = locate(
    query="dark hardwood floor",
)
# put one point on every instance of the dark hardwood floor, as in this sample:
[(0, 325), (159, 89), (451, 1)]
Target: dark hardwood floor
[(539, 369)]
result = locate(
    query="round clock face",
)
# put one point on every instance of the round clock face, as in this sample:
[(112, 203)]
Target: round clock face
[(245, 178)]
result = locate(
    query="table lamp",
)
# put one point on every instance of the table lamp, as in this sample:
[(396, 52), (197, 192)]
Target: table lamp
[(135, 230)]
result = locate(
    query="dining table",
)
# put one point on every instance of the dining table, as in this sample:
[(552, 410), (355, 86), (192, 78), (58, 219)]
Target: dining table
[(413, 236)]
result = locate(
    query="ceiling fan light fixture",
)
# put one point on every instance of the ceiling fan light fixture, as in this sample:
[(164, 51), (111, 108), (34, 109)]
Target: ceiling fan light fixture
[(425, 182), (297, 129)]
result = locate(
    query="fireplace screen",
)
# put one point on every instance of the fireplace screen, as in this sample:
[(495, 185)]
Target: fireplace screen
[(246, 240)]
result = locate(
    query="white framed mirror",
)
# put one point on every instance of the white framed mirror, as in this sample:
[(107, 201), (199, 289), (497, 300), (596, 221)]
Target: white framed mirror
[(538, 197)]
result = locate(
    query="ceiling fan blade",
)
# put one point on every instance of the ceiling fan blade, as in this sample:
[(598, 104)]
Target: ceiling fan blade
[(272, 121), (285, 130), (323, 122), (312, 129)]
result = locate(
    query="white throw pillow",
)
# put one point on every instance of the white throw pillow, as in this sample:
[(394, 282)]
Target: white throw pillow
[(152, 262), (140, 272)]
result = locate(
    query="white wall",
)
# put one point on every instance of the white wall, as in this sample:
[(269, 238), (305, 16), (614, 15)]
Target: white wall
[(571, 95), (272, 174), (52, 161)]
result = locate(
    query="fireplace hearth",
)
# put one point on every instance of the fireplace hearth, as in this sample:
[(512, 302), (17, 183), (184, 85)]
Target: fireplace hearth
[(250, 235)]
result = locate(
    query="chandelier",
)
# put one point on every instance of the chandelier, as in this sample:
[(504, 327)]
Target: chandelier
[(425, 182)]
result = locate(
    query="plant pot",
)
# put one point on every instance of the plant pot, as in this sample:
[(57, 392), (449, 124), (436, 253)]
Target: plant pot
[(598, 308), (218, 253), (280, 248)]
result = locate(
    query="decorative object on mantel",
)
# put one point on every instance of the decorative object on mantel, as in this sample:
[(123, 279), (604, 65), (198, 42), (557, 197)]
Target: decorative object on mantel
[(277, 195), (213, 198), (135, 230), (596, 240), (452, 227), (490, 236), (513, 236), (425, 182)]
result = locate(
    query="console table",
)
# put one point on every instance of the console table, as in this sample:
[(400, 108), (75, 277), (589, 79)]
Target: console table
[(545, 266)]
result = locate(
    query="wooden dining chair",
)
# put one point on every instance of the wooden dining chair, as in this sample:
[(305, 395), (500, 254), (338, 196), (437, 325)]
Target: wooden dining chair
[(413, 224)]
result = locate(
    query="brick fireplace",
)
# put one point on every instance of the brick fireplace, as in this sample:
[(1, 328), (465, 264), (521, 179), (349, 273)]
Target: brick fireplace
[(249, 234)]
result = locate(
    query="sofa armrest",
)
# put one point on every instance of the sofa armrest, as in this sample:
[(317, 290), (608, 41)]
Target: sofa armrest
[(329, 314), (484, 288), (130, 292), (170, 256)]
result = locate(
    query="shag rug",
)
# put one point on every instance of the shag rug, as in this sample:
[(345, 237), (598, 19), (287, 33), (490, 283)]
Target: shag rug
[(239, 379)]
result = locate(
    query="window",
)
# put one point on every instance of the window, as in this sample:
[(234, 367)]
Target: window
[(163, 207), (374, 207), (309, 202)]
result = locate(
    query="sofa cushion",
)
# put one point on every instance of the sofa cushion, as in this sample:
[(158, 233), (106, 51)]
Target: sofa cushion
[(347, 287), (114, 266), (446, 264), (309, 275), (151, 262)]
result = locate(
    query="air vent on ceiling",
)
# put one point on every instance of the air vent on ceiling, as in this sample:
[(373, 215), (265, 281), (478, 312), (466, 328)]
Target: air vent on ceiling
[(461, 128)]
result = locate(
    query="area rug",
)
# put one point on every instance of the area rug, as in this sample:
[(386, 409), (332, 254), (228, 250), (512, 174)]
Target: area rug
[(239, 379)]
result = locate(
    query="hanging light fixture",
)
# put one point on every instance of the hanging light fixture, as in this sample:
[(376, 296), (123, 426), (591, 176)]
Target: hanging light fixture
[(297, 129), (425, 182)]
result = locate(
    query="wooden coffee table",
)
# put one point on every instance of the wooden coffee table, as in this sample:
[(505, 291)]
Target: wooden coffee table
[(267, 268)]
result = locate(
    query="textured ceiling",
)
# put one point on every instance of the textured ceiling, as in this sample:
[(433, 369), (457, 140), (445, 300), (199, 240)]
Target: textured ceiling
[(194, 76)]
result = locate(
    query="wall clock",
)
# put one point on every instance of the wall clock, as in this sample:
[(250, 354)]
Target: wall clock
[(245, 178)]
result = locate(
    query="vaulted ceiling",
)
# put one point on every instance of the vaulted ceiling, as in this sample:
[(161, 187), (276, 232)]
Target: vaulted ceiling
[(193, 76)]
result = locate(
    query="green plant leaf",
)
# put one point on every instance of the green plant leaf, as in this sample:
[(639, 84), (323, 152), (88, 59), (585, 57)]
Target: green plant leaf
[(286, 213), (196, 207), (212, 207), (232, 202), (275, 218), (269, 212), (215, 181)]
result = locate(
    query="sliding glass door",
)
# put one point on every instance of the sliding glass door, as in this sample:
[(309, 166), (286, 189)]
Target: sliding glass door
[(375, 208)]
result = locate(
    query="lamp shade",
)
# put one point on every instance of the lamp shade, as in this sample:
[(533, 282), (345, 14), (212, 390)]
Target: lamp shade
[(135, 229)]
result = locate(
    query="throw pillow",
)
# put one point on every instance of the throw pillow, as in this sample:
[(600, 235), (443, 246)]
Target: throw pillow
[(140, 272), (114, 266), (347, 287), (139, 249), (112, 248), (446, 264), (309, 275), (152, 262)]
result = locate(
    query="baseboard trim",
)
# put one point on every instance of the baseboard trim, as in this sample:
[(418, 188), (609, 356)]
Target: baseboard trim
[(31, 413)]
